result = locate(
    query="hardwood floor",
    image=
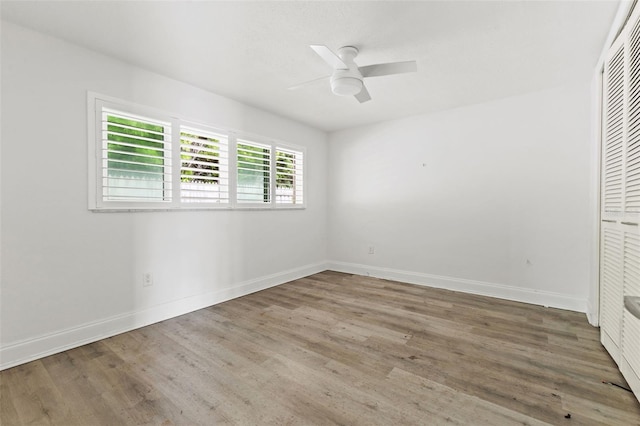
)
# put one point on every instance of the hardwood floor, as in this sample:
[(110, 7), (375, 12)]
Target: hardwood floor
[(333, 349)]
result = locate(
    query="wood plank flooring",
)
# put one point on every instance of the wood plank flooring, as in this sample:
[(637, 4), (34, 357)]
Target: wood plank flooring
[(328, 349)]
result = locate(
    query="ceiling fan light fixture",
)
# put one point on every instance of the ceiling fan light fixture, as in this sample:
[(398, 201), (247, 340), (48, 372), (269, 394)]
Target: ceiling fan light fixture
[(347, 77), (346, 86)]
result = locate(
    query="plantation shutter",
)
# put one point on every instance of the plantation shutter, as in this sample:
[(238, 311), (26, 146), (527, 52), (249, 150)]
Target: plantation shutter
[(289, 176), (254, 172), (134, 164), (204, 167), (136, 158)]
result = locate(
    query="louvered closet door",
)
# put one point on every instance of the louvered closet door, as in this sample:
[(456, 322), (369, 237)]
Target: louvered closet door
[(620, 204), (631, 324), (613, 151), (613, 131), (630, 221), (632, 151), (611, 279)]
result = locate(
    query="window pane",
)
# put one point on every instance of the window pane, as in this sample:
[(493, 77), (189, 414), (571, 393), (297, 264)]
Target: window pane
[(289, 177), (204, 169), (135, 154), (254, 173)]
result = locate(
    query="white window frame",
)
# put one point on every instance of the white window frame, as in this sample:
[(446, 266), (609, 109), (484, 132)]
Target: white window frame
[(95, 103), (95, 151)]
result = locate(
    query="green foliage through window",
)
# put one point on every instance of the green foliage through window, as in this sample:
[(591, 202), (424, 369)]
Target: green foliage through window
[(289, 176), (285, 165), (200, 157), (203, 167), (254, 172), (135, 153)]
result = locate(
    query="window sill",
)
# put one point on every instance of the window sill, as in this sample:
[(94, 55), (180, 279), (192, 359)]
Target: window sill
[(191, 209)]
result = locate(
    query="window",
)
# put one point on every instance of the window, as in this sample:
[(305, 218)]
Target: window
[(142, 158), (254, 164), (136, 158), (289, 176), (254, 172), (204, 167)]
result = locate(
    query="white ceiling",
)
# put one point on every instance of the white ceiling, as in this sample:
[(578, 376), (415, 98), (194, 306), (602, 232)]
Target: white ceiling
[(467, 52)]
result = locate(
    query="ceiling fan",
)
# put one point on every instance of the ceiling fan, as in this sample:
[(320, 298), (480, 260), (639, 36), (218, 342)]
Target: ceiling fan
[(347, 76)]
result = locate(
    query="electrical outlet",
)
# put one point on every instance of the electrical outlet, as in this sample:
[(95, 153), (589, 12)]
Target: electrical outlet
[(147, 279), (372, 250)]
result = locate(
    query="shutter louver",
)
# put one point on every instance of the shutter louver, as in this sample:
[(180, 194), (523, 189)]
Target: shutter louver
[(136, 158), (613, 133), (611, 301), (254, 172), (289, 177), (204, 167)]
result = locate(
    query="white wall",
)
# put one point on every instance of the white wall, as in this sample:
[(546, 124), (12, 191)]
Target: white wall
[(70, 275), (491, 199)]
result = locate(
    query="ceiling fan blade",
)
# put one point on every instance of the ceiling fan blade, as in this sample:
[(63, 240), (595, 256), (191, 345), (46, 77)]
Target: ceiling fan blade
[(307, 83), (364, 95), (329, 57), (388, 69)]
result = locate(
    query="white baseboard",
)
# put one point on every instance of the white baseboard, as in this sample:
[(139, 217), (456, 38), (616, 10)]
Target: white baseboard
[(501, 291), (39, 347), (593, 314)]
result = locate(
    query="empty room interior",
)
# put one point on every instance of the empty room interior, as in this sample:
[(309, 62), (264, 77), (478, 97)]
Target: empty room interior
[(296, 213)]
